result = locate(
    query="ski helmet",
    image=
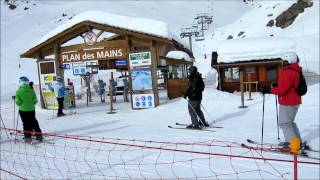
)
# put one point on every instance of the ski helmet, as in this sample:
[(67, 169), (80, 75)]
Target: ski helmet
[(23, 80), (291, 57)]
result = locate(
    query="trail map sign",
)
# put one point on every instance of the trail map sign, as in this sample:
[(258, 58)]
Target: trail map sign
[(141, 80)]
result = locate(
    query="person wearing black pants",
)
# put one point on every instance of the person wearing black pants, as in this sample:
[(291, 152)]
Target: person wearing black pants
[(26, 100), (194, 93), (30, 124)]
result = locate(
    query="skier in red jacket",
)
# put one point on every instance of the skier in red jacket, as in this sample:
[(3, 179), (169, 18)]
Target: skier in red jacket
[(288, 98)]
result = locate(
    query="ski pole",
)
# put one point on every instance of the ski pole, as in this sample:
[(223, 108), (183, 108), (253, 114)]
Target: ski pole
[(208, 113), (14, 110), (17, 126), (195, 112), (277, 116), (262, 121)]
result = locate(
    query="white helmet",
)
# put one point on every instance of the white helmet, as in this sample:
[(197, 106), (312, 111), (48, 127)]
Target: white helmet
[(291, 57)]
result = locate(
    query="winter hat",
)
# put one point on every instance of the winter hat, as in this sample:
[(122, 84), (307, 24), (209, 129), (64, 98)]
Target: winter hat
[(291, 57), (23, 80), (193, 70)]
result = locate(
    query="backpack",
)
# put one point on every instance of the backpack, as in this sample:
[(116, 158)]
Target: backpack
[(201, 85), (302, 87)]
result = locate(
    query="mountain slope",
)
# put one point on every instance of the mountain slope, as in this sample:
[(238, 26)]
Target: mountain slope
[(305, 31)]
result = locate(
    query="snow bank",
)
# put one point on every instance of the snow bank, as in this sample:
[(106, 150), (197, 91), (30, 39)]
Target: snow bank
[(179, 55), (254, 49), (142, 25)]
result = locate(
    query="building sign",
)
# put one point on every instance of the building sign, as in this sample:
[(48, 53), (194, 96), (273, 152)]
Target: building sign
[(140, 59), (141, 79), (121, 62), (93, 54), (90, 38), (143, 101)]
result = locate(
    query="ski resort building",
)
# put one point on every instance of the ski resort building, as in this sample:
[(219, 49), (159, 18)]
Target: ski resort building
[(95, 40), (258, 58)]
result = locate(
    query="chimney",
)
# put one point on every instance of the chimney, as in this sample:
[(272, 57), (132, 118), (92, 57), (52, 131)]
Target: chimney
[(214, 58)]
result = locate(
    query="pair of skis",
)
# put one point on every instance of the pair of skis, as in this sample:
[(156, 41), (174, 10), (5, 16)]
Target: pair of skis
[(34, 141), (275, 148), (183, 126)]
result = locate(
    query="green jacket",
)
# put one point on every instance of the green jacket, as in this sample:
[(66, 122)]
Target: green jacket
[(26, 98)]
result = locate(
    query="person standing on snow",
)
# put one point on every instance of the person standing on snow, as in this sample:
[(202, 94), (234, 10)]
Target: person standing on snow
[(288, 97), (59, 91), (26, 100), (194, 94)]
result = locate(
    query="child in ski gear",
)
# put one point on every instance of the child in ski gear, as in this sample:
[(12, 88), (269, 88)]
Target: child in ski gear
[(102, 90), (194, 94), (26, 99), (288, 97), (59, 91)]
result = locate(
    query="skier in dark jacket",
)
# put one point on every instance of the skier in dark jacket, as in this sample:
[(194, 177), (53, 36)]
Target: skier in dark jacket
[(26, 99), (194, 94)]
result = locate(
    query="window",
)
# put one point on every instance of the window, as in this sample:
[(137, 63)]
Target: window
[(177, 72), (272, 73), (251, 70), (47, 68), (231, 75)]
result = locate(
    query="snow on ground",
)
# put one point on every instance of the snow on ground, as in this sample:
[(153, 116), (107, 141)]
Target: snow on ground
[(220, 109)]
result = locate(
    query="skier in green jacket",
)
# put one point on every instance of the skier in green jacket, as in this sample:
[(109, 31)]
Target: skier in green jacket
[(26, 100)]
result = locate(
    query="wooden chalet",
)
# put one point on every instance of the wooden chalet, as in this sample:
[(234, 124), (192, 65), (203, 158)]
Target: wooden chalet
[(258, 58), (126, 39)]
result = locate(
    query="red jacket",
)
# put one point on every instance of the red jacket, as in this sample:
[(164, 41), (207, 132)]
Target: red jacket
[(287, 82)]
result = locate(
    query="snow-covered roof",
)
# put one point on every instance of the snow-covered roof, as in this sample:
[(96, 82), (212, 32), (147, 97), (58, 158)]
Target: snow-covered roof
[(260, 48), (147, 26), (179, 55)]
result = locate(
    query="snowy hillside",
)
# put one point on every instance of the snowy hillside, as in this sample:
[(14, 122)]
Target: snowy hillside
[(21, 28), (304, 30)]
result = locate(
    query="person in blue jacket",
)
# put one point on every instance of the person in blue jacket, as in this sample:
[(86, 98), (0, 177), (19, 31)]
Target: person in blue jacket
[(59, 91)]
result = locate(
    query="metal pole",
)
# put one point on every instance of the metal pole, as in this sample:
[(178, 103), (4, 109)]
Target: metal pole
[(249, 84), (241, 89), (277, 116), (262, 121), (190, 42)]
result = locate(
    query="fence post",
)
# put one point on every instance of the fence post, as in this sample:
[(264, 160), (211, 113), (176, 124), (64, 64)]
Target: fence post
[(249, 84), (295, 148), (241, 89)]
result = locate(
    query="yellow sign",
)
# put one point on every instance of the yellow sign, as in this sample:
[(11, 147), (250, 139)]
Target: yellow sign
[(48, 78), (50, 100)]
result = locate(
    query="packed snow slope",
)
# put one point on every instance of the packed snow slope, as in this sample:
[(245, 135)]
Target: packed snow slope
[(21, 29)]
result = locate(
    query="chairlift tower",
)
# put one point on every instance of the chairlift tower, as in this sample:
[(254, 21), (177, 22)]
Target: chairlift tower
[(203, 20), (189, 32)]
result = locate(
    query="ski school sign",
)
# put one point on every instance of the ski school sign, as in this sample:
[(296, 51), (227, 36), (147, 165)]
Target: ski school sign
[(93, 54)]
